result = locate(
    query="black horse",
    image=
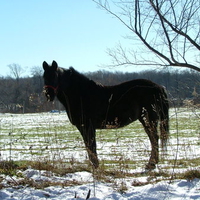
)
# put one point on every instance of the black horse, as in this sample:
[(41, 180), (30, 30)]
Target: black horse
[(92, 106)]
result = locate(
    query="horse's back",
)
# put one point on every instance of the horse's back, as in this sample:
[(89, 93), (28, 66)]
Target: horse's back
[(136, 89)]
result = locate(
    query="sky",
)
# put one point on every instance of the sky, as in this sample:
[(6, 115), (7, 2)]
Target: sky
[(74, 33)]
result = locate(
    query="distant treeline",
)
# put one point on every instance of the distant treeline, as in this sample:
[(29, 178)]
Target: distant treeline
[(179, 84), (19, 95)]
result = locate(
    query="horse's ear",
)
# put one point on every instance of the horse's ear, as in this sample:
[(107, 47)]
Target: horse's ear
[(54, 65), (45, 65), (71, 69)]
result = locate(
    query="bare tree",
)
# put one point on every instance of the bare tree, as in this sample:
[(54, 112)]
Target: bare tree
[(37, 78), (16, 70), (36, 71), (166, 32)]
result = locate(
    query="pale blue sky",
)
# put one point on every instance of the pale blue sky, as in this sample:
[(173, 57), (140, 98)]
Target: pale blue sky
[(72, 32)]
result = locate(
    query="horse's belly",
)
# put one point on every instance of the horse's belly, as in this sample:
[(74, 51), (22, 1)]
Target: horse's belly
[(115, 123)]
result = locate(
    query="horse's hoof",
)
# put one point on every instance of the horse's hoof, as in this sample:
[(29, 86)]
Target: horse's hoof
[(95, 163), (150, 166)]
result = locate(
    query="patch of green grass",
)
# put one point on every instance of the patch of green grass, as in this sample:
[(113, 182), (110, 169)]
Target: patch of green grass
[(191, 174), (183, 163), (184, 126), (8, 167)]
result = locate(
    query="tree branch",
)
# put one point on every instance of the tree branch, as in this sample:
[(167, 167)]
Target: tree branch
[(175, 28), (150, 17)]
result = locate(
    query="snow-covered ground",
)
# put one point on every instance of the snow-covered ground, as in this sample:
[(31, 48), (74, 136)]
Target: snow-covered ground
[(50, 136), (177, 189)]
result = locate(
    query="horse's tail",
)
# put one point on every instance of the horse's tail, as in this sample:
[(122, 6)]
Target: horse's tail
[(164, 119)]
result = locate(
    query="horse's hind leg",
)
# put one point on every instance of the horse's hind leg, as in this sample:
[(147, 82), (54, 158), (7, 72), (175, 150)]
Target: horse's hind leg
[(151, 130)]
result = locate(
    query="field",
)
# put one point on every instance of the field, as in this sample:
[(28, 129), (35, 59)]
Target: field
[(48, 142)]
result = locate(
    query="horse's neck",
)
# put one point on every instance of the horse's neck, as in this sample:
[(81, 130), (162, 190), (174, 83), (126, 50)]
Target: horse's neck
[(64, 99)]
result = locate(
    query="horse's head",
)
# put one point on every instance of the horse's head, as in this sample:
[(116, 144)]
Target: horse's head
[(50, 80)]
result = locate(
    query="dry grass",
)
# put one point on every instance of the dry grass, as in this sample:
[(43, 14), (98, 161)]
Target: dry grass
[(47, 143)]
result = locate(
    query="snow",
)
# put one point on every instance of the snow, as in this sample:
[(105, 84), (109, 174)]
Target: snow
[(18, 142), (177, 189)]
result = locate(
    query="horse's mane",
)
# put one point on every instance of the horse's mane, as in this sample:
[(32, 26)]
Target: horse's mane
[(78, 77)]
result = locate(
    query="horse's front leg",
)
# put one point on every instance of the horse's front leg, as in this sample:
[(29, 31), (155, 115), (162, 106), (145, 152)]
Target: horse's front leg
[(89, 136), (91, 149)]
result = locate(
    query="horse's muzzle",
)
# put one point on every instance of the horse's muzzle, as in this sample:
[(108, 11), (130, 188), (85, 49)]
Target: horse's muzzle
[(49, 93)]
